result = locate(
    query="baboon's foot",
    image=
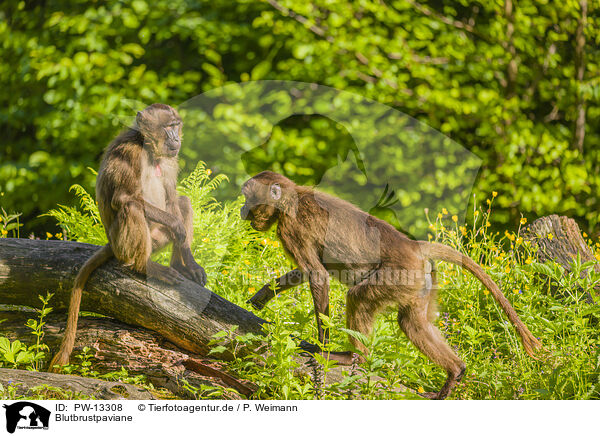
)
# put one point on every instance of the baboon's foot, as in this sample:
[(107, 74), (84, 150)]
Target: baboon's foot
[(163, 273), (194, 272)]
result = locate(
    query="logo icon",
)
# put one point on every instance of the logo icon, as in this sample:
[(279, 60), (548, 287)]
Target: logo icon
[(26, 415)]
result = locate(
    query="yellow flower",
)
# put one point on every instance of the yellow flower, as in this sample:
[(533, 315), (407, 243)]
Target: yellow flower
[(445, 211), (0, 219), (507, 269), (488, 201), (476, 213), (494, 194), (486, 292), (420, 390), (454, 218), (275, 244), (205, 240), (265, 241), (519, 240), (251, 289), (58, 235), (523, 221), (224, 272), (48, 235), (4, 232), (246, 261), (584, 234), (463, 230), (208, 172), (487, 223), (550, 236), (245, 242), (515, 291), (528, 260), (440, 215)]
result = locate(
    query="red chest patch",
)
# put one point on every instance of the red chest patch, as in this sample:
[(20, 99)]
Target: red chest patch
[(157, 171)]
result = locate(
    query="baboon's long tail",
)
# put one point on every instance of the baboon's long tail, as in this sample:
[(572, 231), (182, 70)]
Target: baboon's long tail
[(68, 340), (436, 251)]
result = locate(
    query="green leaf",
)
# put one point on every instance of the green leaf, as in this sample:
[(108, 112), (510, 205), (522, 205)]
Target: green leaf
[(261, 70)]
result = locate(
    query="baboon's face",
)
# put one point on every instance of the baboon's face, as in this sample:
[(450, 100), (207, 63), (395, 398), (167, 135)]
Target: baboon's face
[(162, 130), (261, 206)]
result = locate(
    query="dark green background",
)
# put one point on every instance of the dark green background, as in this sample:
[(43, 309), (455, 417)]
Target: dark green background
[(501, 81)]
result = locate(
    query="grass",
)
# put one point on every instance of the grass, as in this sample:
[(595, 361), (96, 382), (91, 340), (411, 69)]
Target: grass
[(553, 303)]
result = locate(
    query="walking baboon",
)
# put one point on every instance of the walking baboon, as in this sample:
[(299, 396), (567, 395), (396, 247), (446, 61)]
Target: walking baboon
[(326, 235), (140, 209)]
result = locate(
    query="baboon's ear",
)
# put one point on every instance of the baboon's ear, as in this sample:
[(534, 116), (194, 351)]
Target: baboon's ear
[(143, 119), (275, 191), (139, 120)]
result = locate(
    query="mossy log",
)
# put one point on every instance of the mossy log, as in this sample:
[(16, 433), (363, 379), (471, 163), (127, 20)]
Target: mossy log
[(30, 383)]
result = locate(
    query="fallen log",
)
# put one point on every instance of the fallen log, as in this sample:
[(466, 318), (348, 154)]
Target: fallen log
[(188, 315), (32, 383), (114, 345)]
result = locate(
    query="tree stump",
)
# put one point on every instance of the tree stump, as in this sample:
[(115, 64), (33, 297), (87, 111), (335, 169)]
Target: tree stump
[(564, 245)]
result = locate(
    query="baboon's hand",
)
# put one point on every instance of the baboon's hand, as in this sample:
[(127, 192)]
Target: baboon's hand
[(197, 274), (179, 232)]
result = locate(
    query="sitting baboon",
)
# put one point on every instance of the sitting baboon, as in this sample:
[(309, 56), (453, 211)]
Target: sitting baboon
[(140, 209)]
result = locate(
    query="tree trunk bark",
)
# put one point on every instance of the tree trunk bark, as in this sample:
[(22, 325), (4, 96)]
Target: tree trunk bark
[(32, 383), (564, 244), (580, 73), (512, 69)]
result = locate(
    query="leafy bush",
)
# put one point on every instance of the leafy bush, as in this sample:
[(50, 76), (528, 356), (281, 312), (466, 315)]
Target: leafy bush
[(72, 68)]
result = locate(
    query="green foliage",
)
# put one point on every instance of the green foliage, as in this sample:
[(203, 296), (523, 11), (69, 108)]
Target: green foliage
[(81, 225), (71, 69), (42, 392), (19, 355), (39, 349), (9, 224)]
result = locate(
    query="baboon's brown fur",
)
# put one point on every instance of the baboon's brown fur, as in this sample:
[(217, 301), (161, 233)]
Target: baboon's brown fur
[(320, 248), (140, 209)]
